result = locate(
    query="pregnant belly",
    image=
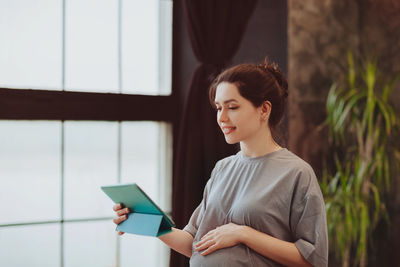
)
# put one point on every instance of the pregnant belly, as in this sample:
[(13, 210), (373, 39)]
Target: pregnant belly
[(238, 255)]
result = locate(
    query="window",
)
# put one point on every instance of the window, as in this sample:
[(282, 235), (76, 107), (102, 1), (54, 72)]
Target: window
[(85, 100)]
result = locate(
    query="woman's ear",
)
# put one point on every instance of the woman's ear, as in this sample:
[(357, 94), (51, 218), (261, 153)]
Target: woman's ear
[(266, 110)]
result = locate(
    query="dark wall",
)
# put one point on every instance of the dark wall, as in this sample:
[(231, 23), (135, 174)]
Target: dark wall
[(265, 37)]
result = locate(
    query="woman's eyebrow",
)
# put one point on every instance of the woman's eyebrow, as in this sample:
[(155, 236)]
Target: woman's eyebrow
[(227, 101)]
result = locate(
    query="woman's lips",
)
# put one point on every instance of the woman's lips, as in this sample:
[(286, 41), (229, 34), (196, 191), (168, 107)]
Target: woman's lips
[(228, 130)]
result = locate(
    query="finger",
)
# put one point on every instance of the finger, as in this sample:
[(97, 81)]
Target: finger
[(123, 211), (205, 245), (117, 207), (118, 220), (204, 239), (207, 235), (201, 242), (210, 250), (121, 233)]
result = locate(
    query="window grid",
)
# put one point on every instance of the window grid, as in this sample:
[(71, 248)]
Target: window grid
[(62, 220), (62, 192)]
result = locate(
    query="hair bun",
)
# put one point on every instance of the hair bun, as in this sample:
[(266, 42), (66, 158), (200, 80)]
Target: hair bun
[(273, 69)]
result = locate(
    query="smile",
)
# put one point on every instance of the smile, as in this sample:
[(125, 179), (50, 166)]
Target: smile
[(228, 130)]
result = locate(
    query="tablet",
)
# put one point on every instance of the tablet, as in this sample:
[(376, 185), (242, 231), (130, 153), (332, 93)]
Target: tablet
[(146, 218)]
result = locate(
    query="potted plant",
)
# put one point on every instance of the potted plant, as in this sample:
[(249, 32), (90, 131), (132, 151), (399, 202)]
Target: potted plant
[(361, 124)]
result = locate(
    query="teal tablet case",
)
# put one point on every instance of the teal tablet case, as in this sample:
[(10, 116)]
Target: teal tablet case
[(146, 218)]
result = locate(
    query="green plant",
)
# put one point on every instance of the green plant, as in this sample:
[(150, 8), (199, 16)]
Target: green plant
[(361, 123)]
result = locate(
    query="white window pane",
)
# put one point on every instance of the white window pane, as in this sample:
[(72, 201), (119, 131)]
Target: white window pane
[(92, 45), (146, 46), (91, 153), (33, 246), (165, 47), (143, 251), (146, 159), (90, 244), (31, 44), (139, 155), (30, 171), (140, 46)]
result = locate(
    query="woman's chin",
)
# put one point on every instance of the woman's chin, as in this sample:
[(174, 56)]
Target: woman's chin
[(230, 140)]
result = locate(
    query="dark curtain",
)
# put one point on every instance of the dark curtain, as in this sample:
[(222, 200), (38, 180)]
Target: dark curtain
[(216, 28)]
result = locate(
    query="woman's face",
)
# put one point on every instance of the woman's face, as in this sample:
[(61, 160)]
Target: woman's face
[(239, 120)]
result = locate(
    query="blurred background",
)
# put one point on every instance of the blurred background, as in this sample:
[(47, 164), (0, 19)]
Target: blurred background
[(114, 91)]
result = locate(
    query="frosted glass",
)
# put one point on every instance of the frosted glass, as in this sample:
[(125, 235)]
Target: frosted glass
[(139, 155), (165, 47), (33, 246), (144, 160), (31, 44), (146, 157), (91, 154), (91, 45), (90, 244), (146, 46), (30, 171), (140, 46), (143, 251)]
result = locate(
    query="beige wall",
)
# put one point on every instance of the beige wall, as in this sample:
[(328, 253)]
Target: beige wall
[(319, 33)]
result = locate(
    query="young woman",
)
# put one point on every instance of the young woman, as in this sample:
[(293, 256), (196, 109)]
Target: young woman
[(262, 206)]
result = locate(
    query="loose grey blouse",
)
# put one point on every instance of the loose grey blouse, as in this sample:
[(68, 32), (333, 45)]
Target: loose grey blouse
[(277, 194)]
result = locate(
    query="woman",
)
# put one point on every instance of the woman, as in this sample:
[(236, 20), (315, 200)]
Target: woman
[(262, 206)]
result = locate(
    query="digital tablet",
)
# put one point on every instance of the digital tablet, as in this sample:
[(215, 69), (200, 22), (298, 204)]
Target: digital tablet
[(146, 218)]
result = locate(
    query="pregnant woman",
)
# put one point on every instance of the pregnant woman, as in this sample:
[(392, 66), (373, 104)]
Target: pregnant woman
[(262, 206)]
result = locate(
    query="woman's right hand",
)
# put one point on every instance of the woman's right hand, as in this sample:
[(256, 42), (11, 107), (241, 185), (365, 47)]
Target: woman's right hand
[(122, 214)]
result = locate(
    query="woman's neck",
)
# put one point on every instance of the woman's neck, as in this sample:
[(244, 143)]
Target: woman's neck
[(259, 145)]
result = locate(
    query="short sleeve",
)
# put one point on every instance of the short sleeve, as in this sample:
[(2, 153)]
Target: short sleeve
[(198, 214), (308, 220), (195, 219)]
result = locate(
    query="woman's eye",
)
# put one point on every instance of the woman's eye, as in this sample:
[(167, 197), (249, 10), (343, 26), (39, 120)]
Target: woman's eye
[(220, 108)]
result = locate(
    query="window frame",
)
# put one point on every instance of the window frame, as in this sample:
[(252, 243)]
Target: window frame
[(37, 104), (29, 104)]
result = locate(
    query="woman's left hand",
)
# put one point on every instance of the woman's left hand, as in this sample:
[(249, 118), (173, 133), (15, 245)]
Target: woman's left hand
[(227, 235)]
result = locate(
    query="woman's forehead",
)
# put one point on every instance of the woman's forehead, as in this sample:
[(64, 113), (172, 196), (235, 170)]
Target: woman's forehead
[(227, 92)]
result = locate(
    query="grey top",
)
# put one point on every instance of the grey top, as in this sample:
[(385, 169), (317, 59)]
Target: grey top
[(277, 194)]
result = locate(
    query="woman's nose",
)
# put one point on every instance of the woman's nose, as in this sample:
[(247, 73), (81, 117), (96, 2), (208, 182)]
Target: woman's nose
[(222, 116)]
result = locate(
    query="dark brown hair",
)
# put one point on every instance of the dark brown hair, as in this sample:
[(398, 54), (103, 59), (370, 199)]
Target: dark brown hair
[(257, 83)]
